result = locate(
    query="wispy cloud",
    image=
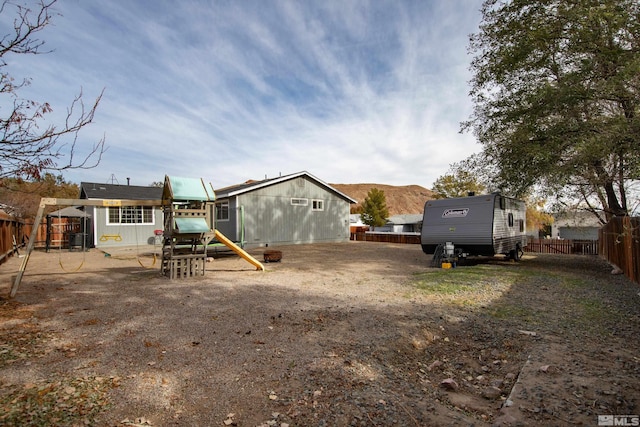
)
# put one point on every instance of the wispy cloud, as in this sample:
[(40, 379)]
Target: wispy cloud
[(350, 91)]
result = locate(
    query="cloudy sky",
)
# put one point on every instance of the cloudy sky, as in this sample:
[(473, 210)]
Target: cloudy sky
[(350, 91)]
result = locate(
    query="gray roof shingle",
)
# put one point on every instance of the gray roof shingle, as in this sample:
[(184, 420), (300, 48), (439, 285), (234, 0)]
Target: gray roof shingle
[(94, 190)]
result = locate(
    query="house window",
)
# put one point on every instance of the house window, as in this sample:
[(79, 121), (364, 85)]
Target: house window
[(130, 215), (510, 219), (299, 202), (222, 211), (521, 221), (317, 205)]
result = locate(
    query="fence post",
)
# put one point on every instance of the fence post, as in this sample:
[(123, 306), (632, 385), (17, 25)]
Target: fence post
[(627, 248)]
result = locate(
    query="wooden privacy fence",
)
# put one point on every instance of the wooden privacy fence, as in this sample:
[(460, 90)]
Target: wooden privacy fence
[(11, 230), (370, 236), (620, 245), (559, 246), (550, 246), (60, 231), (41, 237), (20, 229)]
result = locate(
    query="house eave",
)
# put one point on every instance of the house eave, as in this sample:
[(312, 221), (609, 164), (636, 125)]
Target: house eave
[(267, 183)]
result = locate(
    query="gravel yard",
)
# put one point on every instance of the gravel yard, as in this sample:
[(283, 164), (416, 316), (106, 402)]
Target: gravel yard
[(353, 334)]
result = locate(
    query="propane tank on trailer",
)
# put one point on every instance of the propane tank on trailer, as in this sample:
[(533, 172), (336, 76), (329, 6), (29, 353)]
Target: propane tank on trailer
[(449, 248)]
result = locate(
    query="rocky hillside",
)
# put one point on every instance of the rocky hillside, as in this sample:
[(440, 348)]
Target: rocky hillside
[(407, 199)]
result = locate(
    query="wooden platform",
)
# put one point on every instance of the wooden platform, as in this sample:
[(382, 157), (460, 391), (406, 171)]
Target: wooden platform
[(183, 266)]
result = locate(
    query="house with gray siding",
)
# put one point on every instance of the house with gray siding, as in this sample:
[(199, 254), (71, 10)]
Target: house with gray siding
[(290, 209), (123, 225)]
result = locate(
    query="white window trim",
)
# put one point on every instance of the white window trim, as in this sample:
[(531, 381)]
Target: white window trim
[(228, 218), (128, 224), (317, 202)]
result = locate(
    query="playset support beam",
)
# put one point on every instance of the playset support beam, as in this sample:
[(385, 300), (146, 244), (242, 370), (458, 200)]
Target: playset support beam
[(48, 201)]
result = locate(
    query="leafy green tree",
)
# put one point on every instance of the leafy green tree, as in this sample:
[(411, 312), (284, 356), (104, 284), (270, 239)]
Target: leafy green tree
[(556, 93), (458, 183), (374, 208), (28, 147)]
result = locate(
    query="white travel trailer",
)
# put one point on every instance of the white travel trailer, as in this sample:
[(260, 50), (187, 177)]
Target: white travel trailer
[(485, 225)]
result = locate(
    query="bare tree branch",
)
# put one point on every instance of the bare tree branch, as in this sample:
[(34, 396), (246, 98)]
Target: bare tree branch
[(26, 150)]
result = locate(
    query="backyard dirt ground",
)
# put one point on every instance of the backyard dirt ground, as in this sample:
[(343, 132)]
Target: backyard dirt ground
[(351, 334)]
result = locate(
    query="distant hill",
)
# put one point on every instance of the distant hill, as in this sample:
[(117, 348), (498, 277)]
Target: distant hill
[(406, 199)]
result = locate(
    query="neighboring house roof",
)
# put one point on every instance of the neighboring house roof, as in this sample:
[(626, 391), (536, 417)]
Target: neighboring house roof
[(248, 186), (356, 219), (93, 190), (404, 219)]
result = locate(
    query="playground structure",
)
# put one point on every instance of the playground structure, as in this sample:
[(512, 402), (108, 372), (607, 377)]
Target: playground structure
[(189, 227)]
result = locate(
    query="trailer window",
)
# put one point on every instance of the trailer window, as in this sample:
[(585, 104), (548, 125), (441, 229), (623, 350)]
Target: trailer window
[(521, 221), (503, 203), (510, 219)]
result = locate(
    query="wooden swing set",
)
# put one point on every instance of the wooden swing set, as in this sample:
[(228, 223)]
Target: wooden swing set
[(189, 229), (48, 201)]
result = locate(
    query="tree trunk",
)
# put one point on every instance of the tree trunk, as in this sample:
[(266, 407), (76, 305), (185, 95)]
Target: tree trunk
[(614, 207)]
